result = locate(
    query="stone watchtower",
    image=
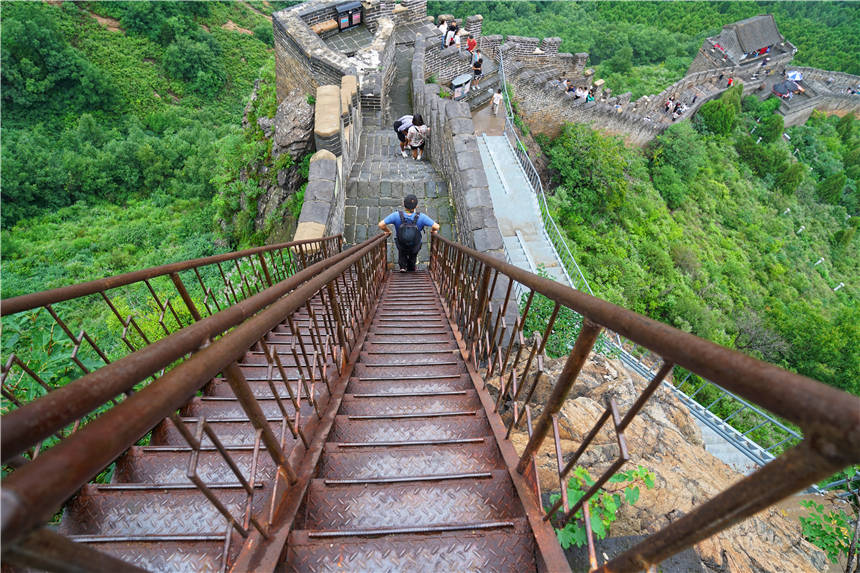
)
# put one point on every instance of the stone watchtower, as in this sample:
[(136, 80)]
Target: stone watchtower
[(744, 44)]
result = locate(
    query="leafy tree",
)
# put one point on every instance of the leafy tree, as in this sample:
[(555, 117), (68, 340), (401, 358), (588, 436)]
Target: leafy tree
[(790, 178), (845, 127), (830, 190), (622, 60), (771, 128), (41, 71), (196, 61), (717, 117), (681, 148), (591, 168), (264, 33)]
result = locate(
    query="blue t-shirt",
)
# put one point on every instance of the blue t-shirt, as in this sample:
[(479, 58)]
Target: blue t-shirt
[(423, 220)]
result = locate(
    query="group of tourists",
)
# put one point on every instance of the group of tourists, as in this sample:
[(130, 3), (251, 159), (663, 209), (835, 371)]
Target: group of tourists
[(451, 34), (412, 132), (579, 92), (675, 107)]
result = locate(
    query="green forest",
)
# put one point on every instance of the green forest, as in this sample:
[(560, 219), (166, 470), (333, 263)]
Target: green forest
[(116, 116), (122, 144)]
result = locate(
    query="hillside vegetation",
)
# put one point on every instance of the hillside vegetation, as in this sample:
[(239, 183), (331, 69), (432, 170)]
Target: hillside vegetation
[(739, 242), (116, 118), (644, 46)]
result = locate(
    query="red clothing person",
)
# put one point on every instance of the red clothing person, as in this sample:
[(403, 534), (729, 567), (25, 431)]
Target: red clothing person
[(471, 44)]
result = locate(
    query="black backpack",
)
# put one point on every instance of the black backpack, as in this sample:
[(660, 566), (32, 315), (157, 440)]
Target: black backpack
[(408, 235)]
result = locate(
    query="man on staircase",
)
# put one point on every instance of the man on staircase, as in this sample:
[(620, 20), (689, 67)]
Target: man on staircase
[(409, 227)]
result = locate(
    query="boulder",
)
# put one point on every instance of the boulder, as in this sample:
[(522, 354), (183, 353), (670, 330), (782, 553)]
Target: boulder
[(665, 439)]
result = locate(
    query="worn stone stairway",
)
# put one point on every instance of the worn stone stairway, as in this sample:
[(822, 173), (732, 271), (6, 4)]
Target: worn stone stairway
[(379, 181), (411, 454), (151, 514)]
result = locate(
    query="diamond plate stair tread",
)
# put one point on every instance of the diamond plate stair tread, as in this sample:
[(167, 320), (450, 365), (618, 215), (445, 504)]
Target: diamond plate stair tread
[(414, 346), (230, 434), (421, 338), (163, 512), (407, 371), (411, 430), (414, 504), (507, 549), (233, 409), (168, 556), (411, 405), (409, 461), (409, 386), (260, 389), (158, 467)]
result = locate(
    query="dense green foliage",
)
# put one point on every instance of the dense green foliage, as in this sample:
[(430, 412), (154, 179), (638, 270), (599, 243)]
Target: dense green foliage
[(112, 133), (709, 239), (644, 46)]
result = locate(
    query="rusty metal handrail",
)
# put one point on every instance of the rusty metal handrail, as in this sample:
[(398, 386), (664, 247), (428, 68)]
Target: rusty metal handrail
[(32, 493), (30, 301), (471, 283), (33, 422)]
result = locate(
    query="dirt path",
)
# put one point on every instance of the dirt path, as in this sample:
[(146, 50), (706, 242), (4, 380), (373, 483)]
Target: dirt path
[(111, 24), (231, 25), (263, 14)]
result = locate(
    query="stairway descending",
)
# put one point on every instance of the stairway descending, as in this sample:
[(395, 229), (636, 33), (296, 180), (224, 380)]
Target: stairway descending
[(411, 478), (379, 181), (151, 514)]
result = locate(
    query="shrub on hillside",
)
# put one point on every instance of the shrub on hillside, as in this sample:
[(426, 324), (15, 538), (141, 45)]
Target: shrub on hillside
[(717, 117), (771, 128), (41, 71), (790, 178), (264, 33), (196, 61), (830, 190)]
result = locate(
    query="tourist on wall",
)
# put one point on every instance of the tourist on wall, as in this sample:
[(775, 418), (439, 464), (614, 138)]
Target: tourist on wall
[(416, 137), (477, 66), (443, 27), (497, 101), (471, 44), (401, 127), (409, 227)]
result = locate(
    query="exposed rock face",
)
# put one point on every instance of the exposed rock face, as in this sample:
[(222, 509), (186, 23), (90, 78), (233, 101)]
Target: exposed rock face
[(291, 131), (665, 439)]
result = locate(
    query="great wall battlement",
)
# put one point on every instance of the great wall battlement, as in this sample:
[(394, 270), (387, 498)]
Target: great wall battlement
[(353, 84)]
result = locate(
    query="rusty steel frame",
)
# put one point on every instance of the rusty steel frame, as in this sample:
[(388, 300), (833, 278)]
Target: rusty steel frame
[(32, 493), (51, 413), (829, 418)]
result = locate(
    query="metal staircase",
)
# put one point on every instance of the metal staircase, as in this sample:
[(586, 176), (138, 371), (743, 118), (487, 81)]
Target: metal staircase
[(311, 411)]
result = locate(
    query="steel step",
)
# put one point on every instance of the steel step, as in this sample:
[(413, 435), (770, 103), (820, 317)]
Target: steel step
[(166, 512), (177, 554), (419, 429), (230, 433), (507, 548), (259, 388), (413, 505), (340, 462), (225, 407), (406, 371), (143, 465), (352, 405)]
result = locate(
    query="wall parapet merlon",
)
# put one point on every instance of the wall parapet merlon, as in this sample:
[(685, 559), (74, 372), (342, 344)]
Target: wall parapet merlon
[(337, 131), (453, 150)]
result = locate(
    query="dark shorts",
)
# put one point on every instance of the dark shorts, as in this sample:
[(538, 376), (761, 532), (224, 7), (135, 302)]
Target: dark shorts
[(478, 73), (401, 135)]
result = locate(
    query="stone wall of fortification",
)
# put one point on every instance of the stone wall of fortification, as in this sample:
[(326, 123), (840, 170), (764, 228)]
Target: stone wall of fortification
[(453, 150), (337, 131)]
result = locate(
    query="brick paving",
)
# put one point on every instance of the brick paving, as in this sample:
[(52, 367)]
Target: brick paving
[(350, 41)]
